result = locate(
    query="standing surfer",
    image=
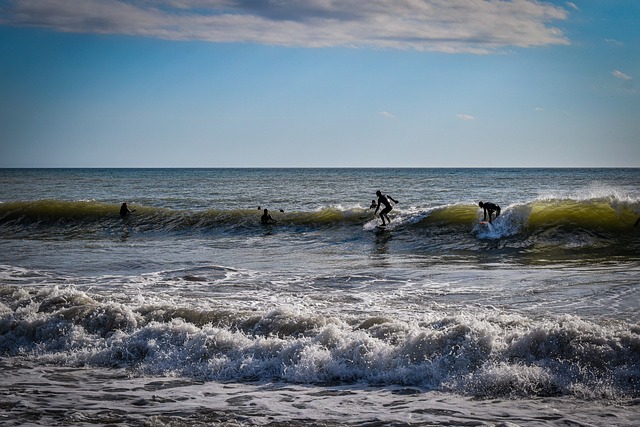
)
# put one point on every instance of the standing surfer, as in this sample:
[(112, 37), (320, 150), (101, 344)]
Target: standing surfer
[(384, 200)]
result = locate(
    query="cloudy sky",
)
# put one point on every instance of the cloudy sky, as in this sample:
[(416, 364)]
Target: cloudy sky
[(305, 83)]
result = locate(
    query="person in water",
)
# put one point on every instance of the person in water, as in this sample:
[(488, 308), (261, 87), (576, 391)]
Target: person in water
[(266, 218), (125, 211), (489, 208), (373, 204), (384, 200)]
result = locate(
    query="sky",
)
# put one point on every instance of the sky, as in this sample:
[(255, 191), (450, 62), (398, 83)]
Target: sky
[(319, 83)]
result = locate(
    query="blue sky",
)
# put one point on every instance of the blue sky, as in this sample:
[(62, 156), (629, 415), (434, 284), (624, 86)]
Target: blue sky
[(319, 83)]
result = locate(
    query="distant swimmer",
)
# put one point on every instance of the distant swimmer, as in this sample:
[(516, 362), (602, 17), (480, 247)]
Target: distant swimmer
[(490, 208), (384, 200), (266, 218), (125, 211)]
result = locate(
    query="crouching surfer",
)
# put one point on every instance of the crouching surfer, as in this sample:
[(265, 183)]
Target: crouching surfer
[(489, 208)]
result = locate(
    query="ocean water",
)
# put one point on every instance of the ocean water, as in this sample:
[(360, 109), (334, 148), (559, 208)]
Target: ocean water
[(191, 312)]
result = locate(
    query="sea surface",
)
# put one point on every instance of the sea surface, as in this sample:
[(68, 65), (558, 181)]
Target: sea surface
[(190, 312)]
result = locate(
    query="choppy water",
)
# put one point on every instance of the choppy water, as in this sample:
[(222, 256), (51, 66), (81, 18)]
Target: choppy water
[(191, 312)]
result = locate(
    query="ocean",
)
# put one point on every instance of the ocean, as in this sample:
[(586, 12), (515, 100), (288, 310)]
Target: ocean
[(191, 312)]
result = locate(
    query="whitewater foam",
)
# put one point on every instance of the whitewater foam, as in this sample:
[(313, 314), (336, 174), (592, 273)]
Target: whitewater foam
[(483, 352)]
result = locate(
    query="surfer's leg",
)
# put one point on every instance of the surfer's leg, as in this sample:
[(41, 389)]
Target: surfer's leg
[(385, 214)]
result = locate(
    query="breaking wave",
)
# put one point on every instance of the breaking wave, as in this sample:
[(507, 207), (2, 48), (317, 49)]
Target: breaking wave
[(603, 214), (568, 224), (483, 354)]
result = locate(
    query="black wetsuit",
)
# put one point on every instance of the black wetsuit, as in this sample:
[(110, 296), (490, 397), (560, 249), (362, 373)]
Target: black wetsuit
[(124, 210), (266, 218), (491, 208), (384, 200)]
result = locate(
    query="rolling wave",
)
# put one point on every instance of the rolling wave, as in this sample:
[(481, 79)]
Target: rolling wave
[(58, 214), (595, 222)]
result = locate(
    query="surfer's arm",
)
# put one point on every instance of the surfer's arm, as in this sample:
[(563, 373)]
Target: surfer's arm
[(394, 200)]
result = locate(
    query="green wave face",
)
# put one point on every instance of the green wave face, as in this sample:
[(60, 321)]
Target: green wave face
[(594, 222)]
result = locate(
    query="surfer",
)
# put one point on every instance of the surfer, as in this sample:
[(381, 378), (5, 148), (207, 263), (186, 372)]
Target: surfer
[(384, 200), (490, 208), (125, 211), (266, 218), (373, 204)]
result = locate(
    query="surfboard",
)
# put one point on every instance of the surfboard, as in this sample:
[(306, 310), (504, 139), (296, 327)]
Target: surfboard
[(381, 227), (484, 222)]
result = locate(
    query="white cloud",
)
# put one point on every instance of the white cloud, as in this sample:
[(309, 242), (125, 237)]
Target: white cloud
[(620, 75), (387, 115), (465, 117), (614, 42), (472, 26), (539, 109), (572, 5)]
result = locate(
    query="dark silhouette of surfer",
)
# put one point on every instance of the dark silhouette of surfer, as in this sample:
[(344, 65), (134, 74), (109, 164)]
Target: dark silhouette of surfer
[(125, 211), (384, 200), (266, 218), (489, 208)]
